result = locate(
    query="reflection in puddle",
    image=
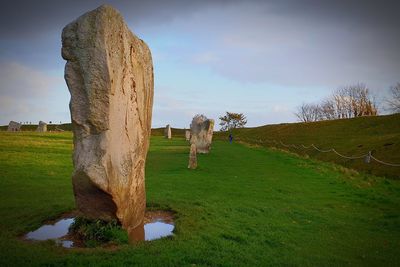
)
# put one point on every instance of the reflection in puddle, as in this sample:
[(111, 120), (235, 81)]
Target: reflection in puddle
[(66, 243), (152, 230), (53, 231), (156, 227)]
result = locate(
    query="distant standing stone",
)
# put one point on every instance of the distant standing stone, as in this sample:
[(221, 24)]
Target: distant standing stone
[(167, 132), (14, 126), (201, 131), (187, 135), (109, 73), (42, 127), (192, 157)]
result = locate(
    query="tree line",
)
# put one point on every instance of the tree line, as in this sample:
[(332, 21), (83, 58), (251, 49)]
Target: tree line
[(347, 102), (344, 103)]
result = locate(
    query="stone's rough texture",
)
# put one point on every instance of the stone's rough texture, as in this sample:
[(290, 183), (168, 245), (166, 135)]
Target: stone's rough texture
[(187, 135), (167, 132), (42, 127), (192, 157), (109, 73), (201, 131), (14, 126)]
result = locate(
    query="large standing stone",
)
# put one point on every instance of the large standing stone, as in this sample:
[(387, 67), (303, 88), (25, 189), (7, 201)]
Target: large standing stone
[(192, 157), (109, 73), (187, 135), (14, 126), (167, 131), (201, 130), (42, 127)]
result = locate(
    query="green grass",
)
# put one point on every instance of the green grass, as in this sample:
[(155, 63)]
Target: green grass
[(352, 137), (243, 206)]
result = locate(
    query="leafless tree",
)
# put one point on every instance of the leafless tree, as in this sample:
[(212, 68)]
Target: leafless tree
[(353, 101), (362, 103), (346, 102), (341, 103), (308, 112), (393, 102), (328, 111)]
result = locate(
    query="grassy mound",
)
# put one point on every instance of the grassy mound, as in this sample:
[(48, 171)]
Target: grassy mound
[(350, 137), (50, 127), (176, 132), (243, 206)]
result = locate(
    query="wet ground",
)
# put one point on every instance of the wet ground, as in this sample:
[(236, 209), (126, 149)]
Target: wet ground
[(53, 231), (157, 224)]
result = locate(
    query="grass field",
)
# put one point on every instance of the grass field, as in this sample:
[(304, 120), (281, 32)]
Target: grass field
[(351, 137), (243, 206), (33, 127), (175, 132)]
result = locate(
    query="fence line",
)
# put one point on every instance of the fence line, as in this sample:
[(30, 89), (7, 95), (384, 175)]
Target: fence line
[(320, 150), (368, 156), (385, 163)]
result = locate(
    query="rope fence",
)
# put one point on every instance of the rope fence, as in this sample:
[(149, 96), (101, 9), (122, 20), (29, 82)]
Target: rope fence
[(368, 156)]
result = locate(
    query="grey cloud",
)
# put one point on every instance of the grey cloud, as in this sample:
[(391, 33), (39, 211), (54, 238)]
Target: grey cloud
[(305, 43), (292, 47), (22, 19)]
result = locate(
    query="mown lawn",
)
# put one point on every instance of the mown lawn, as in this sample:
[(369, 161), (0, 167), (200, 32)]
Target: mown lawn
[(243, 206)]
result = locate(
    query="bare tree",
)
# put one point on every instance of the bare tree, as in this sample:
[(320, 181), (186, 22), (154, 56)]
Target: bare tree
[(353, 101), (362, 103), (341, 103), (394, 102), (327, 109), (308, 112), (346, 102)]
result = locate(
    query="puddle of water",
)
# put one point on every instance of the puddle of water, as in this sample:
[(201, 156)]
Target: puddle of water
[(66, 243), (155, 228), (158, 229), (53, 231), (150, 231)]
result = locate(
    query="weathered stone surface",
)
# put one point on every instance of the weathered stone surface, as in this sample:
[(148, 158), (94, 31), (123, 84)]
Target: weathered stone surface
[(14, 126), (187, 135), (193, 157), (109, 73), (201, 131), (42, 127), (167, 131)]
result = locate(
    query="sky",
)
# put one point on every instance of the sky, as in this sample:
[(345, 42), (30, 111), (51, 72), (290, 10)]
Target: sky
[(260, 58)]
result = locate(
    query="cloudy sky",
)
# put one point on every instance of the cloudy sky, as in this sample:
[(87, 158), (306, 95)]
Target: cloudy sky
[(262, 58)]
